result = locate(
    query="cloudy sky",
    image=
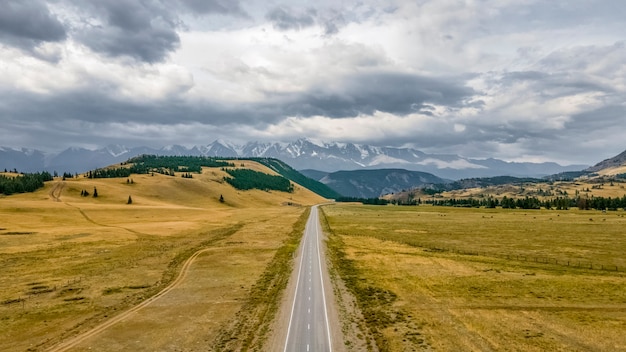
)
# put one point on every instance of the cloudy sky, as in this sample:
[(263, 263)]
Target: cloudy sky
[(518, 80)]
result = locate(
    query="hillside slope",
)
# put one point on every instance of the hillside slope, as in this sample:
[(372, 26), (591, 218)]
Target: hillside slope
[(298, 177), (615, 162), (71, 261), (374, 183)]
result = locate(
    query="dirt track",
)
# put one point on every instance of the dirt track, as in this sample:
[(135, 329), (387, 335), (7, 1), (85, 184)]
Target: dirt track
[(64, 346), (55, 192)]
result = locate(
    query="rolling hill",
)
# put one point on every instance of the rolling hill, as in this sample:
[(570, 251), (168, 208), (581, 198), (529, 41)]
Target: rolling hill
[(614, 165), (80, 260)]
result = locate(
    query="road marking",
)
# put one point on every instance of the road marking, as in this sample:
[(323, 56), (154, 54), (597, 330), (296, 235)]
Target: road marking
[(310, 241), (293, 307), (319, 261)]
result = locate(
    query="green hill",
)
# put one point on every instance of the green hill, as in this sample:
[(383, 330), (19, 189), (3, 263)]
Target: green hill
[(290, 173)]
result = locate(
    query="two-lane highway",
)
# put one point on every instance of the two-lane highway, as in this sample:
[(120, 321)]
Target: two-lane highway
[(308, 324)]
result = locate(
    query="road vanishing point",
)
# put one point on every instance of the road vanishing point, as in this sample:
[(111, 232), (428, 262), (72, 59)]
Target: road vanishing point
[(308, 324)]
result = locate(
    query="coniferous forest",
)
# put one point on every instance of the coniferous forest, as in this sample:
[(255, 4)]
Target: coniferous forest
[(167, 165), (245, 179), (23, 183)]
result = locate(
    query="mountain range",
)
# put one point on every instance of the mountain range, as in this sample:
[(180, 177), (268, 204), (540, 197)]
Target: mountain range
[(300, 154), (373, 183)]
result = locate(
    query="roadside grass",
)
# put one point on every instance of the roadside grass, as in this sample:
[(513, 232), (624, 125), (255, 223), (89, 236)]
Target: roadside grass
[(417, 290), (250, 328)]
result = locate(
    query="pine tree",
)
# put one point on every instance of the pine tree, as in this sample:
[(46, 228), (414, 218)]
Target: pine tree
[(130, 200)]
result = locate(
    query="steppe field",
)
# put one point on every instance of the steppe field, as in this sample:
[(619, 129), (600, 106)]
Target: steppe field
[(71, 263), (457, 279)]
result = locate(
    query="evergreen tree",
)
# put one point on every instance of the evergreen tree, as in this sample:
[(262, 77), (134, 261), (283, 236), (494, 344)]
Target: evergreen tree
[(95, 192), (130, 200)]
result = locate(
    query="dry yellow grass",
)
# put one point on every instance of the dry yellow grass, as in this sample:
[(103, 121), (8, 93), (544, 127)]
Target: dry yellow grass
[(70, 262), (571, 189), (417, 297), (613, 171)]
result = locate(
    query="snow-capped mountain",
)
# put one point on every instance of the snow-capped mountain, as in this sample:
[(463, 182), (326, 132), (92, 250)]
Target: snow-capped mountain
[(301, 154)]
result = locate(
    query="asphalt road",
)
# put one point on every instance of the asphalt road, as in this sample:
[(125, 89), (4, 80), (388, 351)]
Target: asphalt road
[(308, 325)]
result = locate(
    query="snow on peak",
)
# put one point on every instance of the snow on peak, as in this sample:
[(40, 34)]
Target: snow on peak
[(117, 150), (454, 164), (385, 159)]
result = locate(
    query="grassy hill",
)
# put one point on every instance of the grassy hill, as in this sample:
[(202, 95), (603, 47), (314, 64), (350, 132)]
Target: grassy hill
[(288, 172), (71, 262)]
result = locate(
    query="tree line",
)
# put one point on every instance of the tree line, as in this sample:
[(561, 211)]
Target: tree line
[(558, 203), (23, 183), (295, 176), (145, 163), (246, 179), (368, 201), (166, 165)]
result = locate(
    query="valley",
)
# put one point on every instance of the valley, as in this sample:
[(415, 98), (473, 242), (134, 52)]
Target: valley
[(186, 257)]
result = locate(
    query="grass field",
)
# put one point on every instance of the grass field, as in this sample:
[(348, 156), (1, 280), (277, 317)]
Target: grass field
[(456, 279), (71, 262)]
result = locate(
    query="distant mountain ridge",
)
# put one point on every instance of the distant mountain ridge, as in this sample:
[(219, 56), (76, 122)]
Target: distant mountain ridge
[(301, 154), (374, 183), (616, 161)]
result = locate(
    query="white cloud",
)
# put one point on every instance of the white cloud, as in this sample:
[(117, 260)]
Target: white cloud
[(510, 79)]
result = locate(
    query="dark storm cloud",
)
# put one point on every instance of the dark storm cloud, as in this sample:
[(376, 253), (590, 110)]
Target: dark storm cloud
[(349, 96), (93, 106), (26, 24), (331, 21), (555, 84), (285, 18), (366, 93), (145, 31), (224, 7), (603, 118)]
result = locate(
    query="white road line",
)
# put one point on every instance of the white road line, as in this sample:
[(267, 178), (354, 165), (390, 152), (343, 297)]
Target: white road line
[(306, 240), (319, 257), (293, 307)]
